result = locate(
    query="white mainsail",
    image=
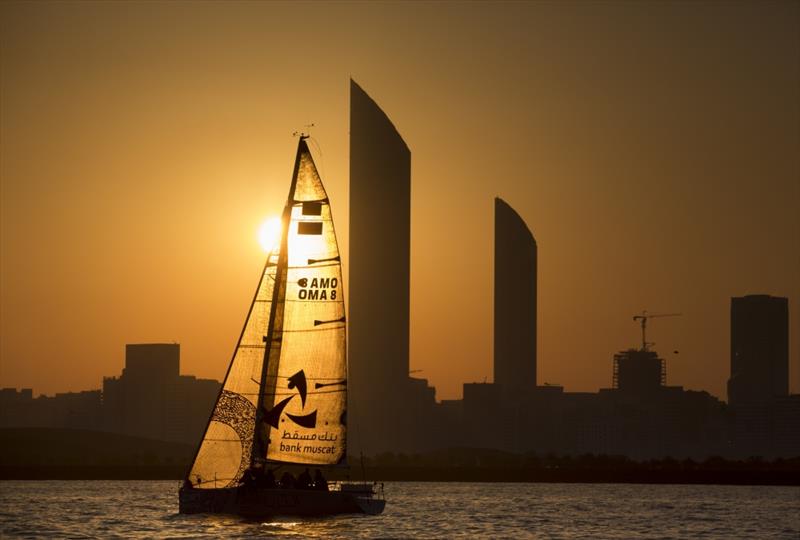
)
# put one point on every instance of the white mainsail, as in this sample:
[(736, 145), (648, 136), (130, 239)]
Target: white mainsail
[(305, 402), (290, 409)]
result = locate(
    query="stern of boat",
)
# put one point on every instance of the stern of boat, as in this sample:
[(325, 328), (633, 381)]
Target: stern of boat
[(369, 498)]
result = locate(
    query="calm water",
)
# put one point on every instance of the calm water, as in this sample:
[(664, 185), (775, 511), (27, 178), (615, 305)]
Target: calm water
[(103, 509)]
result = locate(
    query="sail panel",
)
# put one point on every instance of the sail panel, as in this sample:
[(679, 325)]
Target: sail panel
[(309, 185), (224, 452), (307, 402)]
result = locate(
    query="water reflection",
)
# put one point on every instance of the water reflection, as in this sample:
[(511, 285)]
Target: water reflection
[(99, 509)]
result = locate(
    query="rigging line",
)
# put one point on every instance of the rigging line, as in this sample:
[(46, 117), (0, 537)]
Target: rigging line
[(321, 168)]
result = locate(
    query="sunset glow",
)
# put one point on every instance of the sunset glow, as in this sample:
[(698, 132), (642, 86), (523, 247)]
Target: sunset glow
[(269, 233), (649, 179)]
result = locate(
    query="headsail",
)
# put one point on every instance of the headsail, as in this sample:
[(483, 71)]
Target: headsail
[(303, 417), (284, 396), (224, 452)]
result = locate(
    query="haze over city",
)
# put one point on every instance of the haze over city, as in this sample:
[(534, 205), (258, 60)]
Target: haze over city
[(651, 148)]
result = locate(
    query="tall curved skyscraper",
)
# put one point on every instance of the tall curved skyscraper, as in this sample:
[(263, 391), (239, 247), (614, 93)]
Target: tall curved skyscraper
[(380, 213), (515, 255)]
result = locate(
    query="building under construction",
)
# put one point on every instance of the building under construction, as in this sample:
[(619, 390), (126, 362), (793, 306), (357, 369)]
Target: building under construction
[(639, 371)]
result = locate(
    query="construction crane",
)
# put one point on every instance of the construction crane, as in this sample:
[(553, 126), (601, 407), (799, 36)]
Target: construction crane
[(643, 318)]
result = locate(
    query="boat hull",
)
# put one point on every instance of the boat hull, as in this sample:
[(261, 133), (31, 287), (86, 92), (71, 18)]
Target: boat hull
[(259, 503)]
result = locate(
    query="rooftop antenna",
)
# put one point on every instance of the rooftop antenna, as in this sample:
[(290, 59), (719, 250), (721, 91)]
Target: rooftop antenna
[(643, 317), (305, 134)]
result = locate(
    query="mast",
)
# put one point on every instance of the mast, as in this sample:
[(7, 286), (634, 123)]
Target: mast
[(258, 451)]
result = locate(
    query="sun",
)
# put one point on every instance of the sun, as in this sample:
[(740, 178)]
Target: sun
[(269, 233)]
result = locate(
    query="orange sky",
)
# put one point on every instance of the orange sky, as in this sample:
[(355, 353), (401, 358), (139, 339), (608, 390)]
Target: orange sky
[(652, 148)]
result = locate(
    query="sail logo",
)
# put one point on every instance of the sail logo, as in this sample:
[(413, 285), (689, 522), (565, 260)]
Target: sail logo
[(272, 416), (317, 288)]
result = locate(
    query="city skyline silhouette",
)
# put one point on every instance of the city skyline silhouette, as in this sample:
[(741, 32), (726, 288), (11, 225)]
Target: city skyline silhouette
[(515, 269), (656, 174)]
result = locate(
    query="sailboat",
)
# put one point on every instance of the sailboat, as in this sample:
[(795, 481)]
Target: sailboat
[(283, 400)]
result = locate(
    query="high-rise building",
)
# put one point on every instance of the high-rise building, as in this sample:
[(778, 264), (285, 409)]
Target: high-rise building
[(152, 361), (152, 400), (138, 402), (514, 302), (759, 349), (380, 198)]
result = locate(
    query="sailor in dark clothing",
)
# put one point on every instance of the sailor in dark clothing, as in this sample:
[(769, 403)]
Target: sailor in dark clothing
[(268, 479), (287, 480), (319, 481), (304, 480), (250, 478)]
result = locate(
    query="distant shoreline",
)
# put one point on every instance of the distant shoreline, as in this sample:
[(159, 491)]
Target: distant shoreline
[(434, 474), (51, 454)]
